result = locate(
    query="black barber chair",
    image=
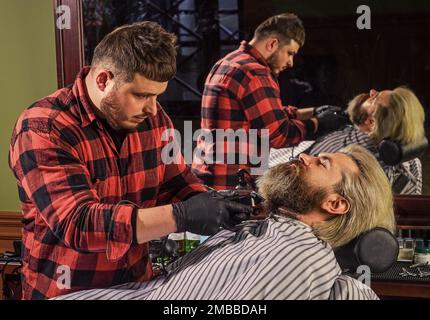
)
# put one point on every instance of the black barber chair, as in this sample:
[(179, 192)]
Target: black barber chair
[(376, 248), (392, 154)]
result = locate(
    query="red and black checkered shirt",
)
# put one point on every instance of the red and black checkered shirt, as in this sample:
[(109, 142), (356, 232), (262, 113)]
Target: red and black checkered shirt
[(242, 93), (75, 190)]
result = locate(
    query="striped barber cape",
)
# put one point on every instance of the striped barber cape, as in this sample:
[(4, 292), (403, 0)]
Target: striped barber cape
[(277, 258)]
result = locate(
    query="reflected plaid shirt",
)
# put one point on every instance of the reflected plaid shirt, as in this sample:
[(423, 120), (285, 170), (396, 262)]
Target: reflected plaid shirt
[(78, 193), (242, 93)]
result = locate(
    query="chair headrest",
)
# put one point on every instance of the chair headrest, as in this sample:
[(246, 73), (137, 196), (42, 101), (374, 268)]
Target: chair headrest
[(376, 248), (393, 153)]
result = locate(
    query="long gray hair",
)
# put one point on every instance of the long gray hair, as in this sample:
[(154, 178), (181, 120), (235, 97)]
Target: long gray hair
[(369, 195)]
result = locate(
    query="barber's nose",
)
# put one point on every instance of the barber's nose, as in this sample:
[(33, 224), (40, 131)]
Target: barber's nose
[(373, 93), (290, 62), (306, 159), (151, 106)]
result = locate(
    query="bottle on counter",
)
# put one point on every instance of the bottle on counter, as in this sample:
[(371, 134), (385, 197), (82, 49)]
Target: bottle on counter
[(422, 255), (179, 238), (192, 240), (406, 249)]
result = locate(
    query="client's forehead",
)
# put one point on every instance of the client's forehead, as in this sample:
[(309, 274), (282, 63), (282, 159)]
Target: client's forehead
[(341, 161)]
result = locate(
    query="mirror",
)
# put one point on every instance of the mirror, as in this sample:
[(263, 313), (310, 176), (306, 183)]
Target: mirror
[(338, 61)]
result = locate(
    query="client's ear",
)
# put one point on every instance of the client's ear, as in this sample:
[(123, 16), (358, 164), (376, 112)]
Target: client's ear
[(335, 204)]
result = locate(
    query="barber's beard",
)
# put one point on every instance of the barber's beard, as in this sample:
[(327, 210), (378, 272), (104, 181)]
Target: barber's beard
[(301, 197), (272, 62), (112, 111)]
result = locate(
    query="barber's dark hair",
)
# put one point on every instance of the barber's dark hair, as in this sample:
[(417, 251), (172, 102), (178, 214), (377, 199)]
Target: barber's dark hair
[(286, 26), (142, 47)]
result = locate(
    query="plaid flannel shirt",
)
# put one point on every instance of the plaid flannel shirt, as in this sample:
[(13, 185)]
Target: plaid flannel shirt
[(242, 93), (78, 193)]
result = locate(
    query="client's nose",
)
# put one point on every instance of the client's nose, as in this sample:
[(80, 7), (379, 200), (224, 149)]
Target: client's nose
[(305, 159)]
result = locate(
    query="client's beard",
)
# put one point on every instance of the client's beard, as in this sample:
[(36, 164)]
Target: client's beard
[(358, 116), (112, 111), (300, 197)]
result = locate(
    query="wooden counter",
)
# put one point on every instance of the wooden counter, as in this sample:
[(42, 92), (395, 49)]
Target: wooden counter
[(400, 290)]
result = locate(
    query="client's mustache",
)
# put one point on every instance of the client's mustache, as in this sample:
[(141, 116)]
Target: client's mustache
[(293, 171), (298, 164)]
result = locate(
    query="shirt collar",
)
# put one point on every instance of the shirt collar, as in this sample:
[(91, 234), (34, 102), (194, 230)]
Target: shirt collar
[(291, 220), (246, 47), (85, 106)]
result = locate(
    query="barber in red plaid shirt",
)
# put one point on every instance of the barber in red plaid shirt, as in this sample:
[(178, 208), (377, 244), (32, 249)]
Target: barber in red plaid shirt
[(242, 92), (92, 184)]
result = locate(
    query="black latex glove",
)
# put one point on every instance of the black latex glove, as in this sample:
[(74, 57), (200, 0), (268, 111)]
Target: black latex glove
[(207, 212), (321, 109), (329, 121)]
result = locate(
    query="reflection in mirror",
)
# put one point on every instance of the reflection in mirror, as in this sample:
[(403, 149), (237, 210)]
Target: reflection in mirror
[(389, 124), (336, 63)]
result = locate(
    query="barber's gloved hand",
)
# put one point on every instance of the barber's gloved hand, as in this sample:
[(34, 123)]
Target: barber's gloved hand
[(329, 121), (207, 212), (321, 109)]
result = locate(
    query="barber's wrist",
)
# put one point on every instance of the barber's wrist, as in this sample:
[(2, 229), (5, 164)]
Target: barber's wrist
[(311, 126), (179, 215), (315, 122), (305, 113), (154, 223)]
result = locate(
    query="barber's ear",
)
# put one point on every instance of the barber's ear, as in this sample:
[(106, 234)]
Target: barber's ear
[(335, 204), (104, 80), (272, 44)]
